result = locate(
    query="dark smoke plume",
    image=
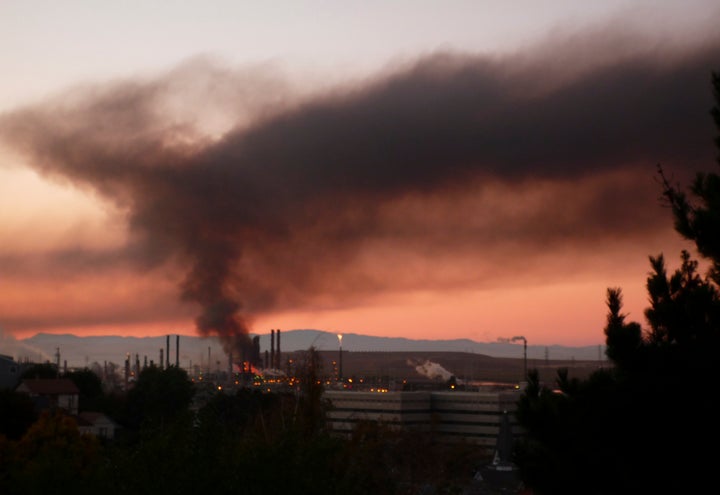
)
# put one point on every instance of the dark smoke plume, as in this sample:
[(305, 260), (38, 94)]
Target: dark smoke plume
[(297, 201)]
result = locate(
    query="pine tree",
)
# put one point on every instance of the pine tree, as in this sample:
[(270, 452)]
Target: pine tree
[(647, 424)]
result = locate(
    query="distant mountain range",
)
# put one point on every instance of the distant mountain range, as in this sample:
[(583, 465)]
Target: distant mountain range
[(82, 351)]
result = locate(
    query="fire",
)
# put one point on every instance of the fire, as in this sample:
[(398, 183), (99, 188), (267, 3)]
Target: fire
[(245, 367)]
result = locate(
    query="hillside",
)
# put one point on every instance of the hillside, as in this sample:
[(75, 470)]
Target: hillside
[(441, 366), (361, 352)]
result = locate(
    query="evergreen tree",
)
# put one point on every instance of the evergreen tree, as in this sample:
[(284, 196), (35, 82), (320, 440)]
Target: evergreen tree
[(17, 413), (90, 387), (158, 397), (40, 371), (648, 424), (698, 218), (51, 457)]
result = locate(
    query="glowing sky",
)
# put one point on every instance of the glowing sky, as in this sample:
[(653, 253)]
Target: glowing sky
[(422, 169)]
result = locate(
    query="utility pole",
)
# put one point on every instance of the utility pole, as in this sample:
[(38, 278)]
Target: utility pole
[(516, 339), (340, 370)]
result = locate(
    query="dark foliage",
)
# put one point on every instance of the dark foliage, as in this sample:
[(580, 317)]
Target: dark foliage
[(90, 387), (646, 425), (17, 413), (51, 457), (45, 370), (239, 441), (158, 396)]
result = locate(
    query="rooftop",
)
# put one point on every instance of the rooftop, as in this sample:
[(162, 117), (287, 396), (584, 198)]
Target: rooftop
[(49, 386)]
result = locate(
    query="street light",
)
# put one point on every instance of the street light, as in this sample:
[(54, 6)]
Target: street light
[(340, 373), (516, 339)]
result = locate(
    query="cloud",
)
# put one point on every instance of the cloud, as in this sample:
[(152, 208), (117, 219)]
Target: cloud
[(401, 181)]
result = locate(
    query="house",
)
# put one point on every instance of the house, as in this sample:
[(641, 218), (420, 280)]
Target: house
[(10, 371), (55, 393), (96, 424)]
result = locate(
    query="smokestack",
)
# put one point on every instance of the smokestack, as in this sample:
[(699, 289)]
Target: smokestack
[(230, 363), (177, 351), (127, 370), (340, 371), (167, 354), (272, 348), (277, 358), (209, 360), (255, 358), (162, 358)]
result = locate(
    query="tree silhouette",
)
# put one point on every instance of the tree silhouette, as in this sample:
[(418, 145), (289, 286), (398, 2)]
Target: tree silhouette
[(51, 457), (623, 339), (90, 387), (645, 425), (311, 413), (44, 370), (159, 396), (17, 413), (697, 218)]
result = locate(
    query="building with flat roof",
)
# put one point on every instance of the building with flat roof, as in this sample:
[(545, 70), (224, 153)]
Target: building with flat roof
[(468, 416)]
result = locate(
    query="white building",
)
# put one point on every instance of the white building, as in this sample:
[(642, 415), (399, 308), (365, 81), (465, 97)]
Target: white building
[(470, 416), (96, 424)]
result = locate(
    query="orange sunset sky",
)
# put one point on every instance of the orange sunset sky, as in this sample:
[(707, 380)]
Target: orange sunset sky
[(421, 169)]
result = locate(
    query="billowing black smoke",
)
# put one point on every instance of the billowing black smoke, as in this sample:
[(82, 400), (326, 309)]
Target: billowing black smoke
[(288, 206)]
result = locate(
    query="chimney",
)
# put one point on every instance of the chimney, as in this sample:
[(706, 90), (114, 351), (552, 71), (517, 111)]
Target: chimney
[(177, 351), (167, 353), (277, 359), (162, 358), (127, 370), (255, 357), (272, 348)]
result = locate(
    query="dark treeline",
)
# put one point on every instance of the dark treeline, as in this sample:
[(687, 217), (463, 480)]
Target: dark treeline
[(178, 438), (649, 423)]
